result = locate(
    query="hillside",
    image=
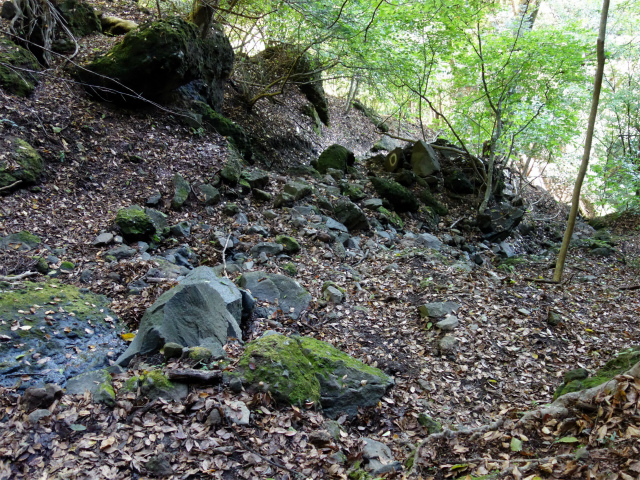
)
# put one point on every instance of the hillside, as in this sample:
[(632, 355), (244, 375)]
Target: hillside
[(513, 340)]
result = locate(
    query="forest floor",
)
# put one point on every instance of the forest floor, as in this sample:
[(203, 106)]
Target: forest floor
[(509, 360)]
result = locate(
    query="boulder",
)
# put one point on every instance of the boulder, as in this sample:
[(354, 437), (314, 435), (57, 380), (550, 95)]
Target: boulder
[(159, 221), (303, 370), (267, 248), (429, 241), (180, 55), (438, 309), (181, 190), (22, 241), (80, 17), (98, 383), (211, 194), (154, 384), (256, 178), (429, 200), (336, 156), (498, 222), (116, 26), (21, 164), (424, 160), (297, 189), (71, 331), (378, 458), (202, 310), (400, 198), (134, 223), (40, 397), (457, 182), (18, 67), (386, 143), (281, 292), (394, 160), (289, 244), (350, 215)]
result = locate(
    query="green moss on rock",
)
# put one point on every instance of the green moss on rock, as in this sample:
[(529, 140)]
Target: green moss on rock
[(429, 200), (22, 164), (134, 223), (22, 79), (290, 244), (401, 198), (336, 156), (23, 241), (81, 17)]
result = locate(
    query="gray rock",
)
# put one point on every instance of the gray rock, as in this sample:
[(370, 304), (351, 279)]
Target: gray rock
[(261, 195), (429, 241), (230, 209), (372, 203), (335, 175), (350, 215), (40, 397), (449, 324), (166, 269), (154, 199), (214, 419), (320, 438), (602, 252), (297, 190), (378, 458), (283, 199), (159, 221), (256, 178), (211, 194), (181, 190), (172, 350), (267, 248), (506, 250), (280, 291), (498, 222), (447, 345), (121, 252), (333, 294), (235, 385), (103, 239), (182, 229), (21, 241), (98, 383), (237, 412), (202, 310), (335, 225), (37, 415), (159, 465), (386, 143), (424, 160), (258, 230), (438, 309)]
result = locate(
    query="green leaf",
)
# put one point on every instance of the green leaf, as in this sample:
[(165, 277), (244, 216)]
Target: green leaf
[(77, 427), (459, 466), (568, 440), (56, 129), (516, 445)]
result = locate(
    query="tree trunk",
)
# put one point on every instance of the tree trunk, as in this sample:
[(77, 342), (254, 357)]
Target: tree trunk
[(202, 15), (575, 200)]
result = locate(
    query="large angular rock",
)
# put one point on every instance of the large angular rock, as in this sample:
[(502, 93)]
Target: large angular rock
[(98, 383), (298, 190), (424, 160), (80, 16), (336, 156), (299, 370), (498, 222), (401, 199), (350, 215), (21, 163), (63, 320), (181, 190), (134, 223), (180, 56), (22, 78), (202, 310), (281, 292), (429, 241)]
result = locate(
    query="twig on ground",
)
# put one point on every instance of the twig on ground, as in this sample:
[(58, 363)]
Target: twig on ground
[(17, 277), (9, 187)]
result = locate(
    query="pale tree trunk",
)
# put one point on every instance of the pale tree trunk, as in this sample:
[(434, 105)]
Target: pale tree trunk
[(575, 200), (353, 91)]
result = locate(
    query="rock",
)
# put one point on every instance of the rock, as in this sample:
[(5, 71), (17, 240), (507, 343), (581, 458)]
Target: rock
[(211, 194), (20, 162), (298, 190), (449, 324), (334, 175), (8, 10), (457, 182), (498, 222), (353, 191), (372, 203), (230, 209), (447, 345), (429, 200), (289, 244), (121, 252), (77, 318), (554, 318), (320, 438), (181, 190), (386, 143), (154, 384), (181, 56), (166, 269), (102, 239), (378, 458), (98, 383), (432, 426), (311, 112), (116, 26), (372, 116), (159, 221), (159, 465), (256, 178), (400, 198), (237, 412), (37, 415), (282, 292), (154, 199), (261, 195), (429, 241), (235, 385), (335, 225), (80, 17), (602, 252), (172, 350), (424, 160), (40, 397), (214, 419), (283, 199), (350, 215), (18, 67), (22, 242), (298, 370), (134, 223), (333, 295), (202, 310), (182, 229), (199, 354), (335, 156), (266, 247), (438, 309)]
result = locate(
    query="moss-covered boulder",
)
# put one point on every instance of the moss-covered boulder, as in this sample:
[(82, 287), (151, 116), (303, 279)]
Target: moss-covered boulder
[(231, 171), (22, 241), (157, 58), (134, 223), (401, 199), (181, 191), (350, 215), (21, 165), (81, 18), (376, 119), (458, 182), (154, 384), (336, 156), (290, 244), (429, 200), (354, 191), (18, 67), (116, 26), (303, 370), (54, 332), (579, 379)]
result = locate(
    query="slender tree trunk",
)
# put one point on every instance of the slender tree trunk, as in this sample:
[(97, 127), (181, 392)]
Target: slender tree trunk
[(575, 201), (492, 160)]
